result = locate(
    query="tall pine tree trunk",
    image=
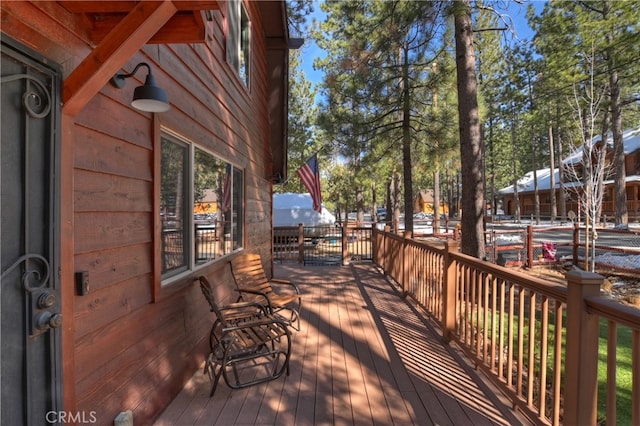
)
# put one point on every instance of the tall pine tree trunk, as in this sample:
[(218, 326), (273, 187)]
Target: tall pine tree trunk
[(536, 191), (406, 143), (436, 199), (620, 174), (561, 171), (552, 177), (471, 150)]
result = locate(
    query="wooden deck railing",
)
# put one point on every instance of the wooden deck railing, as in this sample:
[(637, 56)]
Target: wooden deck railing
[(536, 340), (313, 244)]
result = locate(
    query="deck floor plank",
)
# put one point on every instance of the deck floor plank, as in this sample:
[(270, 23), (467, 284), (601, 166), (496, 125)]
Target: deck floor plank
[(364, 355)]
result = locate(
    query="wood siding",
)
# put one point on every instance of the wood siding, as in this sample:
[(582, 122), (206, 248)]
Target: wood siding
[(132, 344)]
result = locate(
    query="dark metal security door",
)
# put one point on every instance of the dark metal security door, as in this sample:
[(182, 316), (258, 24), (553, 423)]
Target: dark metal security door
[(29, 287)]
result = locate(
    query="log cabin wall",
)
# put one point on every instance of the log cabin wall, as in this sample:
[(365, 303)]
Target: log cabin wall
[(132, 343)]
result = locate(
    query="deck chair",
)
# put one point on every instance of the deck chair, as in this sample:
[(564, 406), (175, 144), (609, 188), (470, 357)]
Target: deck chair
[(248, 344), (253, 285)]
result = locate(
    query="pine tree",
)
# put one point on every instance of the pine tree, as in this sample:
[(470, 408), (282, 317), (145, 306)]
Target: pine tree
[(379, 57), (471, 148), (567, 31), (302, 138)]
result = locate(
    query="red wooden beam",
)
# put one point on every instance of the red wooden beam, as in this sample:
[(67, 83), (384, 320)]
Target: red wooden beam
[(126, 38), (183, 27), (123, 6)]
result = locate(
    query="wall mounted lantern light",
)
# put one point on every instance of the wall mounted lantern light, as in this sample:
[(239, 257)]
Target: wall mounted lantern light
[(148, 97)]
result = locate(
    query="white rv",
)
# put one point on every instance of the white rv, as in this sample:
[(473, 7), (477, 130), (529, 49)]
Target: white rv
[(291, 209)]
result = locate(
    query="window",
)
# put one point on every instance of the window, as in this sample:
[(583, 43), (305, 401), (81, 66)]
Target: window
[(201, 210), (238, 39)]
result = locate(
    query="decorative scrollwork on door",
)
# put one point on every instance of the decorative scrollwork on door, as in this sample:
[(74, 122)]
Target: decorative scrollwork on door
[(37, 103), (41, 301)]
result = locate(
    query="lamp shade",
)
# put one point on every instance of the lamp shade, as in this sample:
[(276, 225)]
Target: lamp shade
[(149, 97)]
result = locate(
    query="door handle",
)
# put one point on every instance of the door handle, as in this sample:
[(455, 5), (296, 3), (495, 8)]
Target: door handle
[(44, 320)]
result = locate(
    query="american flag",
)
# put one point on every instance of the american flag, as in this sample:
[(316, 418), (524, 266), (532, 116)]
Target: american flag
[(309, 174)]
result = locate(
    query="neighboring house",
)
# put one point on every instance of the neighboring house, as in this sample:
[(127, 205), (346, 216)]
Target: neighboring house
[(631, 140), (424, 203), (208, 204), (99, 311)]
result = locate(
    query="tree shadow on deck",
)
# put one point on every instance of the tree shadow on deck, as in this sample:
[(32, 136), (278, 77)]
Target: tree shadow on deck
[(364, 355), (439, 373), (433, 380)]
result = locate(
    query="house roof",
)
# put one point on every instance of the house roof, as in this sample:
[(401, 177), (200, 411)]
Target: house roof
[(631, 141), (426, 195)]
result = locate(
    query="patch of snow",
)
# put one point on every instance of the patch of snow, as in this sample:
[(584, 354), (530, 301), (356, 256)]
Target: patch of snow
[(506, 239)]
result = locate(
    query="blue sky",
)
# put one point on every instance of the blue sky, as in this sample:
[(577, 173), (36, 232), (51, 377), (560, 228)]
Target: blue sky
[(310, 50)]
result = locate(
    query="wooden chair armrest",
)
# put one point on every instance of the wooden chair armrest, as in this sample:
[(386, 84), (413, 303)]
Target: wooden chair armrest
[(243, 310), (268, 320), (283, 282), (257, 293)]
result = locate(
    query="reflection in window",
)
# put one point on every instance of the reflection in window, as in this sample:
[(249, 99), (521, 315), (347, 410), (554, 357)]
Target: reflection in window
[(238, 184), (212, 207), (238, 39), (244, 47), (201, 207), (172, 206)]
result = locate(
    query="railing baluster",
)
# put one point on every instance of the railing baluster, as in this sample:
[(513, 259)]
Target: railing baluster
[(557, 363), (519, 382), (612, 347), (501, 330), (531, 338), (544, 348), (494, 322), (510, 336)]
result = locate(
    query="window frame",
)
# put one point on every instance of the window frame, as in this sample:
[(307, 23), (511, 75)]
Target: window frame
[(237, 211), (186, 240), (238, 40)]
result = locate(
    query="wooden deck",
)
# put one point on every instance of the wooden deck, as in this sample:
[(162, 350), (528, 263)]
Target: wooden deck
[(364, 355)]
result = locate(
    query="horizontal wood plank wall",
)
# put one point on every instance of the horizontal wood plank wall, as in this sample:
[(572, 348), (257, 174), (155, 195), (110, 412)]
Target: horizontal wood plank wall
[(129, 352)]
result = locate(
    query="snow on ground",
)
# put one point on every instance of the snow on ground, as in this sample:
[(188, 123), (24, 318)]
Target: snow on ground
[(626, 261), (509, 239)]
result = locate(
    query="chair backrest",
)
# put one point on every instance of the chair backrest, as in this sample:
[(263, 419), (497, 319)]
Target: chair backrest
[(207, 291), (248, 272)]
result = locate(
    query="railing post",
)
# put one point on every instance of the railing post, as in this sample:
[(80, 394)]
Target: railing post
[(374, 243), (581, 363), (449, 291), (385, 245), (530, 246), (345, 244), (300, 243), (576, 242), (494, 246), (406, 267)]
